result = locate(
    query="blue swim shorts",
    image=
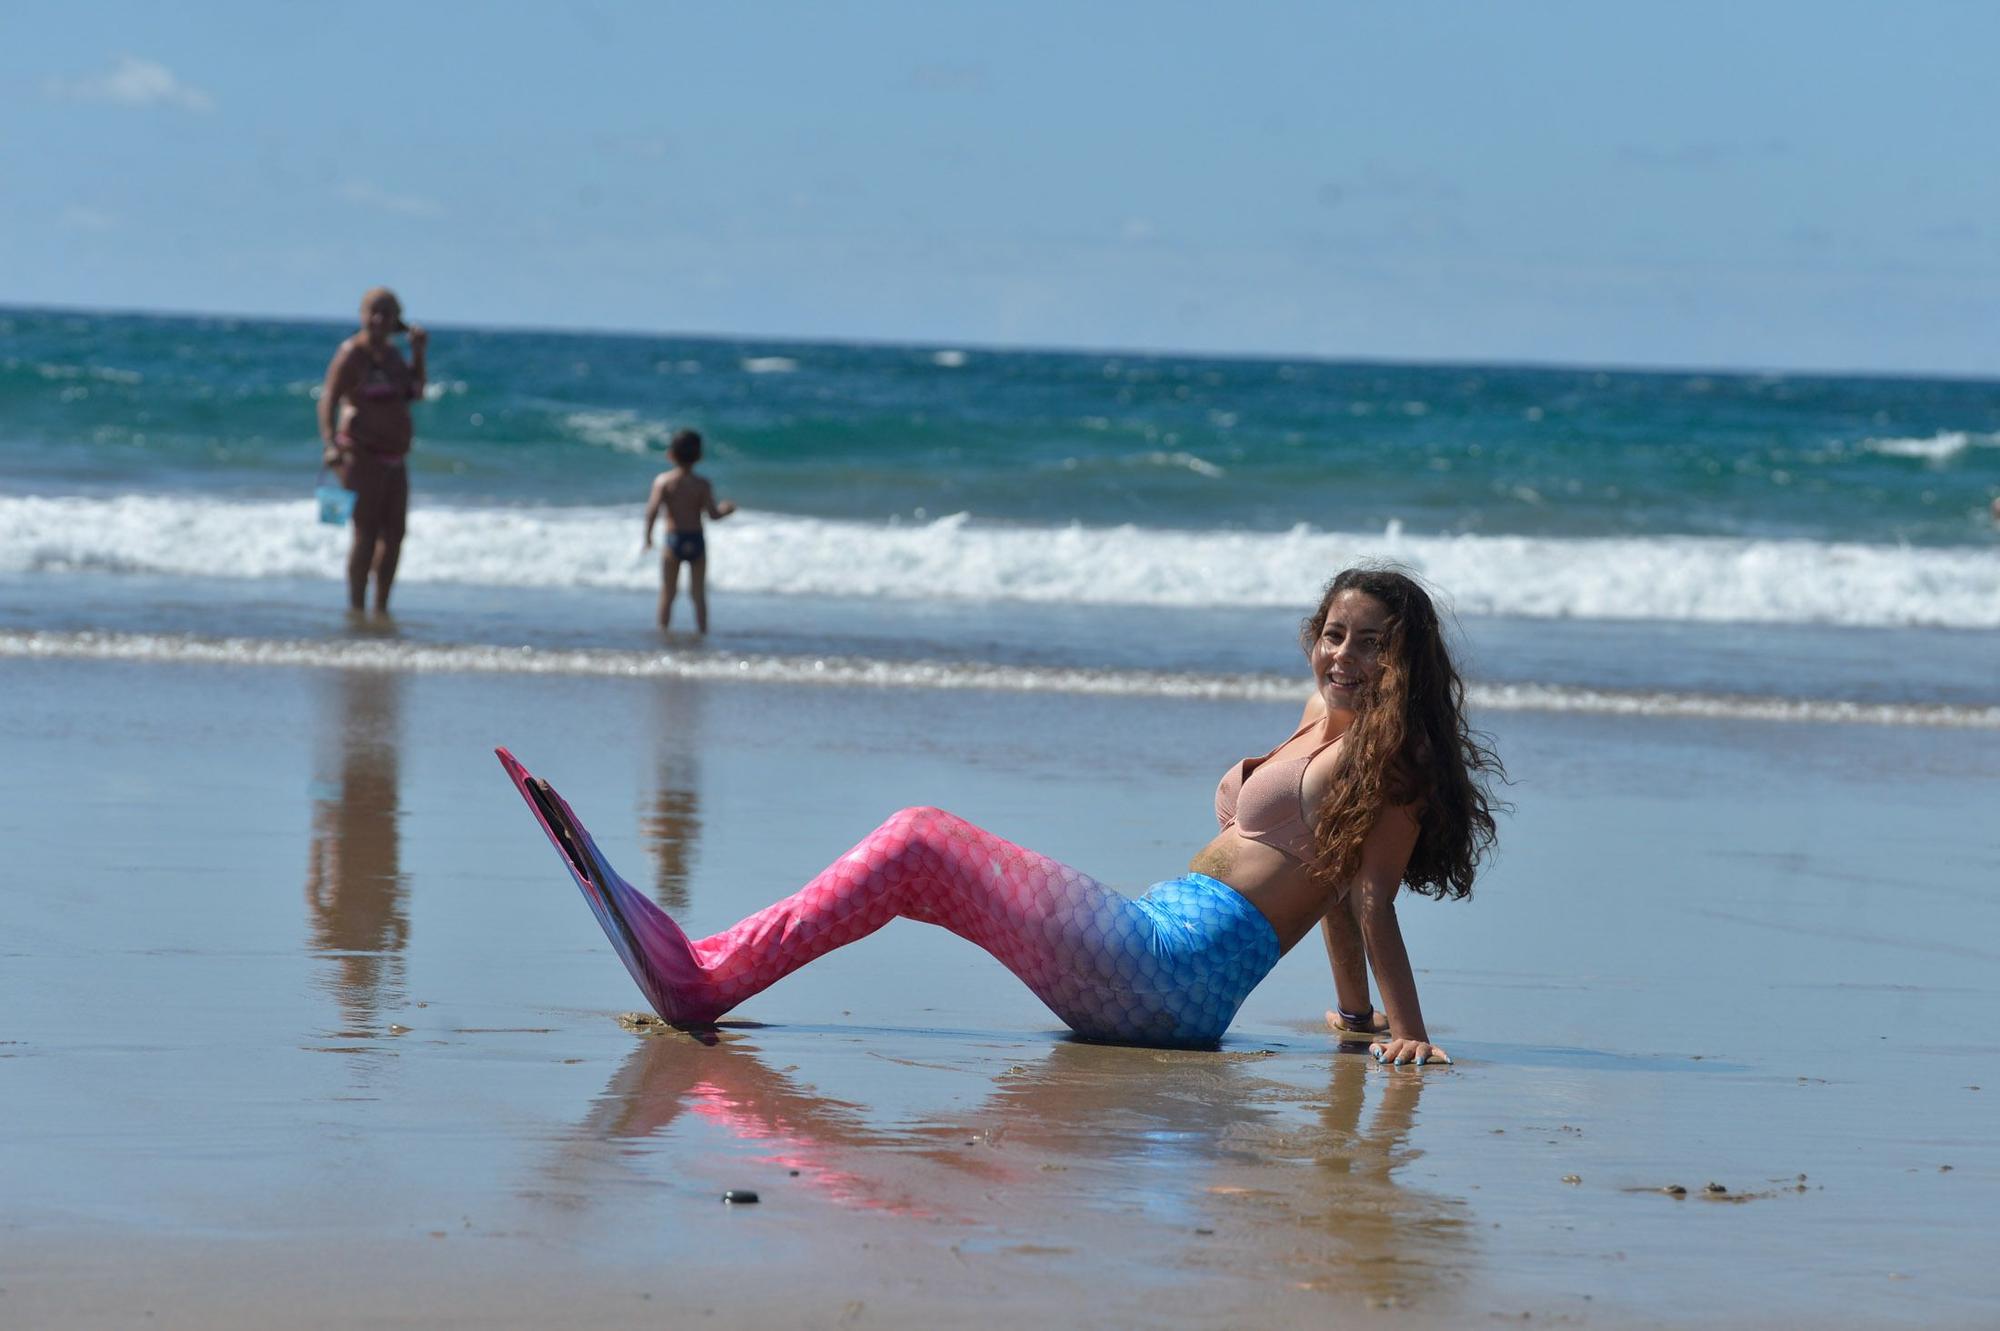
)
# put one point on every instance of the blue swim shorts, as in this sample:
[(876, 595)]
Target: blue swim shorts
[(1173, 966)]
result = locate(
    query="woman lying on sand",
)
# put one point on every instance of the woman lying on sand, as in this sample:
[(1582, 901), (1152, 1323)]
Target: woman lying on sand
[(1381, 786)]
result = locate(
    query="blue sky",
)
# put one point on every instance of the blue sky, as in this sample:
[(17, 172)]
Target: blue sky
[(1773, 185)]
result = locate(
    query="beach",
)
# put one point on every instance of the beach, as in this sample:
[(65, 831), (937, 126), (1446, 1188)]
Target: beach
[(307, 1025), (1049, 367)]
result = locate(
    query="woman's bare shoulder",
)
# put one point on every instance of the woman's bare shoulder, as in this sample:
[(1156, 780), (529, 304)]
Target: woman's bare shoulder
[(1315, 709)]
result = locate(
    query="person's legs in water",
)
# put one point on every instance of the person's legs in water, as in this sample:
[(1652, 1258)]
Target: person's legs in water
[(698, 592), (670, 576), (389, 542), (1170, 968), (381, 509), (361, 477)]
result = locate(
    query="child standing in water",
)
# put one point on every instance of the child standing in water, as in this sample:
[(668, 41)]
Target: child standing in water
[(685, 497)]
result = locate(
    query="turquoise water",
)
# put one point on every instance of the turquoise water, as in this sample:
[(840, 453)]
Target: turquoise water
[(113, 402), (1722, 534)]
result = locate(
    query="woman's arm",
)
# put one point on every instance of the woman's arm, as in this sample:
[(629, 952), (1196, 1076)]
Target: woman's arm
[(1348, 956), (420, 340), (338, 371), (1371, 899)]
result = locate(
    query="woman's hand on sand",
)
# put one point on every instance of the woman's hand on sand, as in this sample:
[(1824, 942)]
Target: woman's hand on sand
[(1408, 1051)]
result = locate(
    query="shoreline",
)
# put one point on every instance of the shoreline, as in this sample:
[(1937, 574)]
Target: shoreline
[(381, 647)]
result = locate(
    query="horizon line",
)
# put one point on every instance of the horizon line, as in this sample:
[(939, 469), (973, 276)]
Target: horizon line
[(1024, 348)]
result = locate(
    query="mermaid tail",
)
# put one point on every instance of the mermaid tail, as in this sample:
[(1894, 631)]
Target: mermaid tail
[(1170, 968), (645, 937)]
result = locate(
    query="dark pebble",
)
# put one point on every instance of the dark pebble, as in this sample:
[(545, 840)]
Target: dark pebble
[(736, 1196)]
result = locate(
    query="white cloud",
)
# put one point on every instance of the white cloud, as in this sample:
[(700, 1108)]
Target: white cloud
[(79, 217), (366, 194), (132, 81)]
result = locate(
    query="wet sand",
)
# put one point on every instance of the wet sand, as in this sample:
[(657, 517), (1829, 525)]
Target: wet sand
[(304, 1025)]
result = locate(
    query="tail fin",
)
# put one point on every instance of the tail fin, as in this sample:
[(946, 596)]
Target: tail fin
[(645, 937)]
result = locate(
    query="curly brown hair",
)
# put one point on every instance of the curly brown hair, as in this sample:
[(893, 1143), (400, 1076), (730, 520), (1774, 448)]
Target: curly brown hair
[(1409, 744)]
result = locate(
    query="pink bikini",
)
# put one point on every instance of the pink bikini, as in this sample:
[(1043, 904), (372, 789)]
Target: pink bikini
[(1266, 801)]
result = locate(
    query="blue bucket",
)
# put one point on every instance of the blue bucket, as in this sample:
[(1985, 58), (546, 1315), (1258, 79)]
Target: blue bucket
[(336, 503)]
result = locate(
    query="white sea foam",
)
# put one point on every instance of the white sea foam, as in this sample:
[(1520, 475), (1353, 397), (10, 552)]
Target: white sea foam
[(1698, 579), (621, 430), (861, 672), (769, 365), (1198, 465), (1940, 447)]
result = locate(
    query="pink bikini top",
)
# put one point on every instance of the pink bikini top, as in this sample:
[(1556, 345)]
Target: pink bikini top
[(1266, 800), (387, 379)]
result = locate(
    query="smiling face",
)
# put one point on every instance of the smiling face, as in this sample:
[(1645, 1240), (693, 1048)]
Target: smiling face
[(1347, 655)]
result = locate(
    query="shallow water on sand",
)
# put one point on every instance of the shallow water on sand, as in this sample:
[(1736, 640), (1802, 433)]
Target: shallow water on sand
[(305, 1023)]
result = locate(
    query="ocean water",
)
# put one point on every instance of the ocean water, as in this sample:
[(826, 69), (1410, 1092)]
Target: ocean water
[(935, 516)]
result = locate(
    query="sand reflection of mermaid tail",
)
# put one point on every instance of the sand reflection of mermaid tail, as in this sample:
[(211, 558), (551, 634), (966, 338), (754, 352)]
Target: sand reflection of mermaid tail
[(830, 1145), (1170, 968)]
